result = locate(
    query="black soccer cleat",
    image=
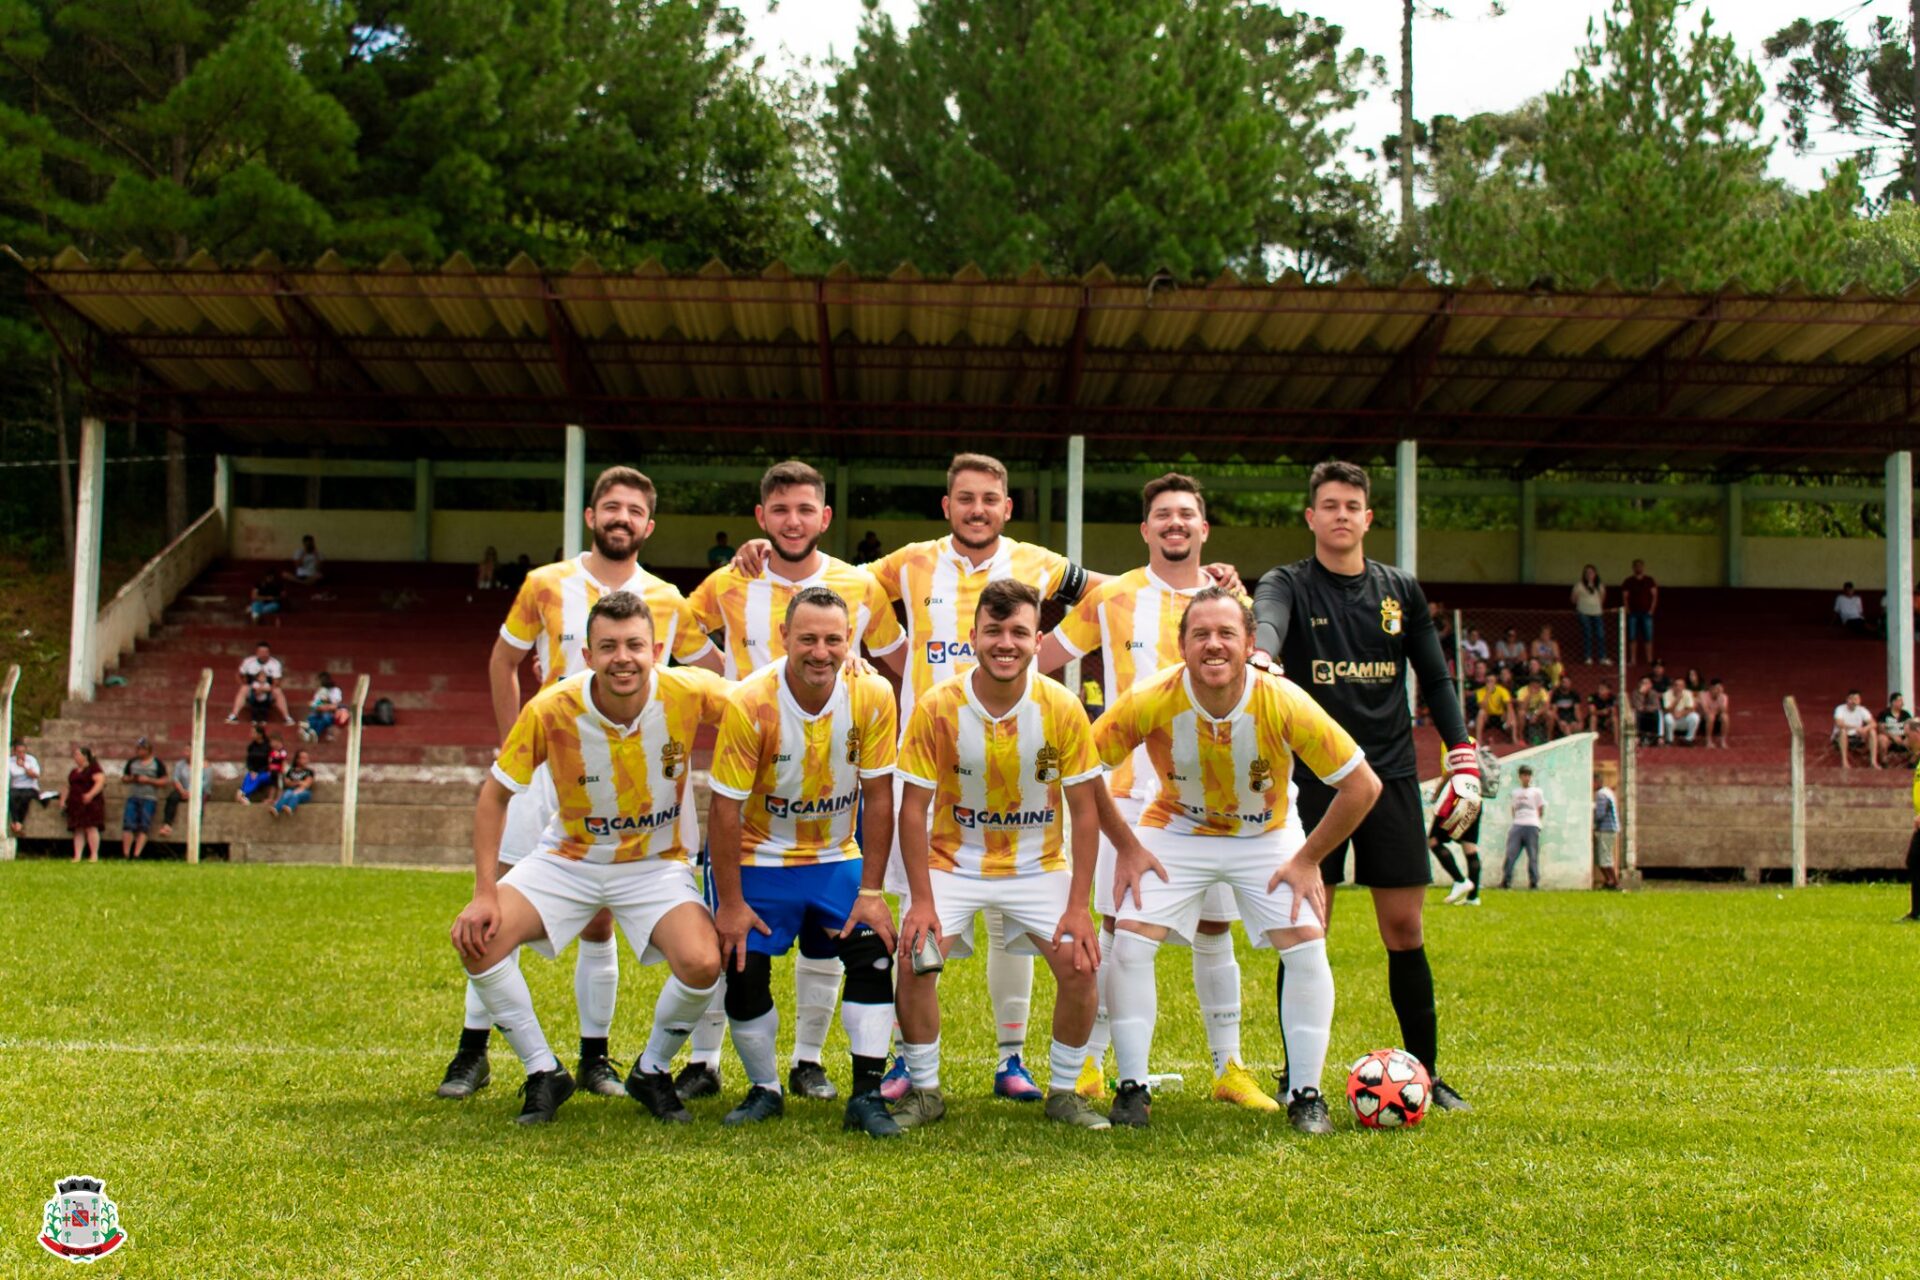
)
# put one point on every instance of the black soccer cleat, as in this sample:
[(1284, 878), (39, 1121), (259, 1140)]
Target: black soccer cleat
[(1132, 1105), (599, 1075), (867, 1112), (467, 1074), (545, 1091), (654, 1091), (809, 1080), (1307, 1112), (1446, 1099), (761, 1103), (696, 1080)]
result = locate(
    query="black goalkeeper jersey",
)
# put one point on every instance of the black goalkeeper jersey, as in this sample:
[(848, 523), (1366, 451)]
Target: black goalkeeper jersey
[(1348, 641)]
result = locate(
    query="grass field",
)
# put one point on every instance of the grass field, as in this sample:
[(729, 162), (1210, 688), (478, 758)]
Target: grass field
[(1670, 1083)]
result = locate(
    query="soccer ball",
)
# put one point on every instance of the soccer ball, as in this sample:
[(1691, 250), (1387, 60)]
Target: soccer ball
[(1388, 1089)]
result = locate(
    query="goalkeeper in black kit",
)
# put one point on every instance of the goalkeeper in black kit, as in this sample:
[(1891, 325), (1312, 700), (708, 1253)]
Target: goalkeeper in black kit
[(1346, 629)]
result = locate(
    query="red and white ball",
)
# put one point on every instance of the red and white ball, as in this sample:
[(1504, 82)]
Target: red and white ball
[(1388, 1089)]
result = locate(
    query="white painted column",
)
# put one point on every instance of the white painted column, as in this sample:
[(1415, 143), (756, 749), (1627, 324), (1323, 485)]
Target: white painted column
[(84, 636), (1406, 507), (573, 493), (223, 496), (1899, 517), (1076, 526)]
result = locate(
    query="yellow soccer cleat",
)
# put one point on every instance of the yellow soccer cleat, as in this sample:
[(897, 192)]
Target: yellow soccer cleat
[(1093, 1081), (1237, 1085)]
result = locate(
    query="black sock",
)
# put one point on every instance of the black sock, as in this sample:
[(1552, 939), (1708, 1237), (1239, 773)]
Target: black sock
[(591, 1048), (474, 1039), (1444, 856), (867, 1073), (1410, 987), (1473, 873), (1913, 874)]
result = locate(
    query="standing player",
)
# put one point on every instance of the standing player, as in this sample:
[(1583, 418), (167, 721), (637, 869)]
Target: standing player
[(990, 753), (1348, 628), (803, 748), (1135, 620), (750, 607), (617, 742), (1219, 737), (549, 616), (1466, 888)]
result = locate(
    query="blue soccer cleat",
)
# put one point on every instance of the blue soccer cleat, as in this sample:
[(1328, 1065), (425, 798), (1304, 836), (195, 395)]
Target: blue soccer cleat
[(1013, 1081)]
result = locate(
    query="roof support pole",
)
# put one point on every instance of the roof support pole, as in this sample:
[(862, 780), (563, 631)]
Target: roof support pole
[(423, 509), (1528, 543), (1733, 528), (573, 491), (1899, 521), (1076, 527), (83, 645), (1406, 506)]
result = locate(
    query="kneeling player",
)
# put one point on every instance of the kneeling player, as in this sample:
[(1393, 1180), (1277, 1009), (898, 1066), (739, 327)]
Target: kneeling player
[(616, 741), (801, 745), (1222, 738), (991, 752)]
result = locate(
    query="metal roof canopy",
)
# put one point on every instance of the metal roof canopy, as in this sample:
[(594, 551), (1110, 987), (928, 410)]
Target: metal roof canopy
[(404, 361)]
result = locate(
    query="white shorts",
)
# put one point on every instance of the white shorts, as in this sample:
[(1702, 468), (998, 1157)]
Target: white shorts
[(1197, 863), (1031, 904), (568, 894), (1218, 904), (528, 813)]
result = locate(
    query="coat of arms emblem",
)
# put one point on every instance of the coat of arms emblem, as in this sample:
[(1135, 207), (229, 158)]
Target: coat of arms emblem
[(1390, 616), (853, 745), (1260, 776), (82, 1225), (673, 760), (1046, 764)]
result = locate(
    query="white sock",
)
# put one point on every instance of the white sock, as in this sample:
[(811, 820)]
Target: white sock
[(711, 1033), (754, 1040), (476, 1016), (1306, 1012), (1009, 987), (816, 988), (510, 1007), (674, 1015), (923, 1063), (1064, 1062), (596, 984), (1135, 1003), (1216, 980), (869, 1028), (1102, 1023)]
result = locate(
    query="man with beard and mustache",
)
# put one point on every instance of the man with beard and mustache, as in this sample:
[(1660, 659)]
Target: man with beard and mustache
[(549, 616)]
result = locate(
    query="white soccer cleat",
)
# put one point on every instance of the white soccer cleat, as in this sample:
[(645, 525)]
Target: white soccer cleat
[(1458, 893)]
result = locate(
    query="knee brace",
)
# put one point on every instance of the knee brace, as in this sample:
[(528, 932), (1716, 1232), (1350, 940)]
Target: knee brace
[(869, 969), (750, 990)]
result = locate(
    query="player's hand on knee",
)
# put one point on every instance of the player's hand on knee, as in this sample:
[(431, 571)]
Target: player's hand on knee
[(1302, 875), (920, 920), (734, 921), (476, 926), (1081, 937), (871, 912), (751, 558), (1131, 864)]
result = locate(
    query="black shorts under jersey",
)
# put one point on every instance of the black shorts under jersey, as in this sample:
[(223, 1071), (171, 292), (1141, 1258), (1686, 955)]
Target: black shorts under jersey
[(1389, 846)]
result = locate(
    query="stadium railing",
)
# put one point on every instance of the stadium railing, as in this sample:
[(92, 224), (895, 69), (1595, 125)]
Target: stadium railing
[(350, 773), (7, 687), (197, 764)]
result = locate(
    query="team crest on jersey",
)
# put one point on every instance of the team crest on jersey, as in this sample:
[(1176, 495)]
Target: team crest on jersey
[(82, 1225), (1390, 616), (1046, 764), (1260, 776), (853, 745), (673, 760)]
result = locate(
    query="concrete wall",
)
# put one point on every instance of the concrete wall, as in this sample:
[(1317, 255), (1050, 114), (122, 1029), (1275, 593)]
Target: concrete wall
[(138, 607)]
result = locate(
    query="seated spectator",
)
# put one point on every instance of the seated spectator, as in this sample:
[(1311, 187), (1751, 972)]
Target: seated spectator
[(1569, 712), (1590, 604), (1893, 730), (1853, 729), (1510, 650), (869, 549), (1473, 648), (1534, 708), (721, 552), (1546, 651), (23, 787), (307, 570), (1682, 706), (267, 596), (259, 772), (1662, 682), (325, 710), (1716, 716), (296, 785), (143, 776), (179, 789), (1603, 711), (1479, 673), (1533, 670), (1850, 610), (1496, 710), (85, 805), (1648, 713), (260, 665), (277, 762), (516, 573), (488, 576)]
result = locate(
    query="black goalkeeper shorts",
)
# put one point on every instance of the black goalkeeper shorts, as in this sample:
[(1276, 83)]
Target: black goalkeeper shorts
[(1390, 845)]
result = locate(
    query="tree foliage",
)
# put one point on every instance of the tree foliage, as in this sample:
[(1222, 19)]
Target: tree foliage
[(1864, 90)]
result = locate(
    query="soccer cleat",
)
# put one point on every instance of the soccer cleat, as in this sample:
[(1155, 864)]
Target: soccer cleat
[(1470, 902), (919, 1107), (1132, 1105), (467, 1074), (867, 1112), (1461, 888), (697, 1080), (1237, 1085), (1307, 1112), (654, 1091), (1092, 1082), (1445, 1097), (1068, 1107), (809, 1080), (761, 1103), (545, 1091), (1014, 1081), (894, 1085), (600, 1075), (1912, 917)]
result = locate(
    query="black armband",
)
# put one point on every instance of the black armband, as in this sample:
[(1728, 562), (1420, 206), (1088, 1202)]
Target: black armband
[(1073, 584)]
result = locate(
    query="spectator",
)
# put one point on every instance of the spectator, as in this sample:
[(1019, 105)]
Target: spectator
[(1473, 648), (296, 787), (1569, 713), (1510, 650), (1662, 682), (179, 787), (277, 762), (307, 570), (1893, 729), (516, 573), (1715, 713), (1443, 629), (1603, 711), (325, 711), (1496, 710), (1480, 670), (1853, 727), (143, 776), (1642, 597), (486, 579), (267, 596), (1683, 711), (721, 552), (23, 787), (1545, 650), (260, 665), (1648, 712), (1533, 708), (1093, 698), (1590, 604), (869, 549), (1850, 610), (85, 806), (1523, 835), (259, 773), (1606, 831), (1694, 682)]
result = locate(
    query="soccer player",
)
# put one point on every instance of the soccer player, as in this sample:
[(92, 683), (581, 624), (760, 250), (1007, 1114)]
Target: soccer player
[(750, 607), (1913, 842), (1220, 739), (1134, 620), (617, 741), (803, 748), (1348, 628), (549, 617), (984, 764), (1466, 887)]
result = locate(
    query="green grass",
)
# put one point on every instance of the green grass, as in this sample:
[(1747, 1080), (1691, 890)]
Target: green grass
[(1671, 1083)]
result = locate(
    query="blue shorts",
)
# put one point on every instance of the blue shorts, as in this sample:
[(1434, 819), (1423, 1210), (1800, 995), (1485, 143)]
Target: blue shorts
[(137, 814), (805, 903), (1640, 627)]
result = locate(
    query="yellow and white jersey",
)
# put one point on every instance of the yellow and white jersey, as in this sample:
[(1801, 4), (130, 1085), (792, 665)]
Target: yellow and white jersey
[(549, 616), (940, 588), (750, 611), (1225, 777), (1134, 621), (797, 775), (621, 787), (996, 783)]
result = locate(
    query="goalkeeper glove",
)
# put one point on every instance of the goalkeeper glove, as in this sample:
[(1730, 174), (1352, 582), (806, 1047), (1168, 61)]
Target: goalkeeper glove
[(1459, 803)]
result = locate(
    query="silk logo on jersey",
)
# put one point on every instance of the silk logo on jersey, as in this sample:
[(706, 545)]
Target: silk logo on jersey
[(1328, 671), (673, 760), (631, 823), (1002, 820), (1046, 764), (1390, 616), (941, 652), (801, 810)]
